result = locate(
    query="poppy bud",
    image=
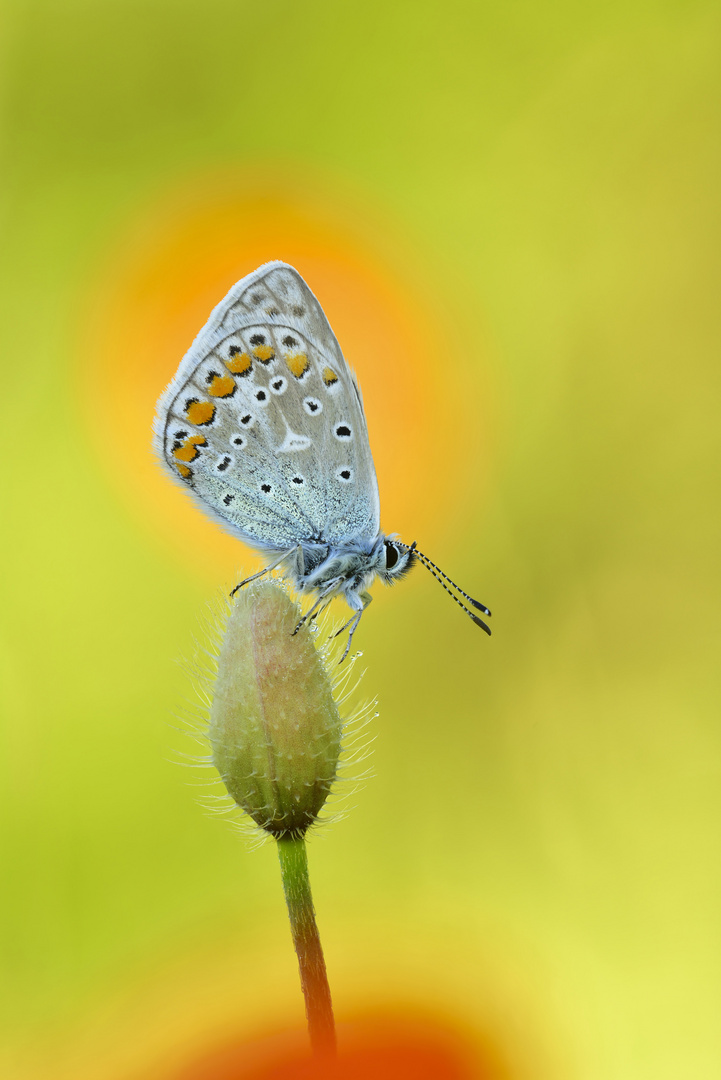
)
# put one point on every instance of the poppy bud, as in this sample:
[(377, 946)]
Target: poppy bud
[(275, 729)]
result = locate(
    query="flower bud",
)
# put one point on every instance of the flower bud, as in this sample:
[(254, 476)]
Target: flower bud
[(275, 730)]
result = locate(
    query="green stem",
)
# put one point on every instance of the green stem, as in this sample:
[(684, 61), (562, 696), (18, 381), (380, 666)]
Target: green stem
[(313, 977)]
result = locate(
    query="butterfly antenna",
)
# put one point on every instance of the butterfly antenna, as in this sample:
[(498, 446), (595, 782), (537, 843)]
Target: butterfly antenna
[(443, 578), (430, 563)]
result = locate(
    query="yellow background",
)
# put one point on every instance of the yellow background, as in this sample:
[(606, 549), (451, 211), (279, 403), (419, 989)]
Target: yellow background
[(511, 215)]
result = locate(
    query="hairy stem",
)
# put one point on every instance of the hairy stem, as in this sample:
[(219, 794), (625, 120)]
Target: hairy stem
[(313, 977)]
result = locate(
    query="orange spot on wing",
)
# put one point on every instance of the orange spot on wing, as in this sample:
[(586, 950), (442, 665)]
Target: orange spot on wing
[(297, 364), (239, 364), (189, 450), (200, 412), (185, 472), (186, 452), (264, 353), (222, 386), (329, 376)]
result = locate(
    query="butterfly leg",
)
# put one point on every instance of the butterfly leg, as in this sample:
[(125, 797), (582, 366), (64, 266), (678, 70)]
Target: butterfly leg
[(353, 624), (260, 574), (319, 612), (311, 613)]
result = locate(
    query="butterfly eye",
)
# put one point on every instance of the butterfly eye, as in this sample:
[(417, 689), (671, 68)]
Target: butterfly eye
[(391, 556)]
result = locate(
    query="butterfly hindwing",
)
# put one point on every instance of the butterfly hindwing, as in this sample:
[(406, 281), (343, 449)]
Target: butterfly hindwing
[(264, 420)]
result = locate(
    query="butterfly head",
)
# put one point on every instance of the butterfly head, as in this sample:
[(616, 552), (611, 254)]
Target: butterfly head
[(397, 559)]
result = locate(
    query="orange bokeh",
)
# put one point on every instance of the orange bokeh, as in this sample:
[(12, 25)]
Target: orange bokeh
[(381, 1047), (174, 265)]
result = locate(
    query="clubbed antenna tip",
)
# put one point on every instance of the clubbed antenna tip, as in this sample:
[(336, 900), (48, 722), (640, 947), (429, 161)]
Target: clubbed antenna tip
[(443, 579)]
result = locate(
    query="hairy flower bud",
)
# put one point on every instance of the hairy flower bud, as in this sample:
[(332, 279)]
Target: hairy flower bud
[(275, 730)]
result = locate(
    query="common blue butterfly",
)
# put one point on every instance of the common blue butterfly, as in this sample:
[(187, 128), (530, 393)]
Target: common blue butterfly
[(264, 424)]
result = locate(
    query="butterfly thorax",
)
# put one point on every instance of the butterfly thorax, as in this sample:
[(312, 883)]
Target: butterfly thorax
[(348, 569)]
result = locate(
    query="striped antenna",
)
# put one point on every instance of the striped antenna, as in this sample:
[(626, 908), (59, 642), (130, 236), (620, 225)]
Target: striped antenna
[(443, 578)]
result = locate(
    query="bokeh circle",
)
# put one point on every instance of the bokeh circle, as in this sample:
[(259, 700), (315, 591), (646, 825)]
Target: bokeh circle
[(178, 257)]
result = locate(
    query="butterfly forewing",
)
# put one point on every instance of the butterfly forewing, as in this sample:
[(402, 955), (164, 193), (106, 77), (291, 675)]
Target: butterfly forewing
[(264, 420)]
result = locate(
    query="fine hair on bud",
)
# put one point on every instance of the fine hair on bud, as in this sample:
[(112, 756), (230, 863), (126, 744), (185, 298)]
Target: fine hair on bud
[(275, 729)]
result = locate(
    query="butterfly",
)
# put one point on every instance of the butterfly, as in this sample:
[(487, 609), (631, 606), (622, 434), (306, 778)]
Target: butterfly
[(263, 423)]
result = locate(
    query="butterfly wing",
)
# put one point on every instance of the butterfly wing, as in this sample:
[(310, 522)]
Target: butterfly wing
[(264, 420)]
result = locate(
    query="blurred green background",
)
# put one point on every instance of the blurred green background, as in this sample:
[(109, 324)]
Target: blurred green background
[(534, 867)]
